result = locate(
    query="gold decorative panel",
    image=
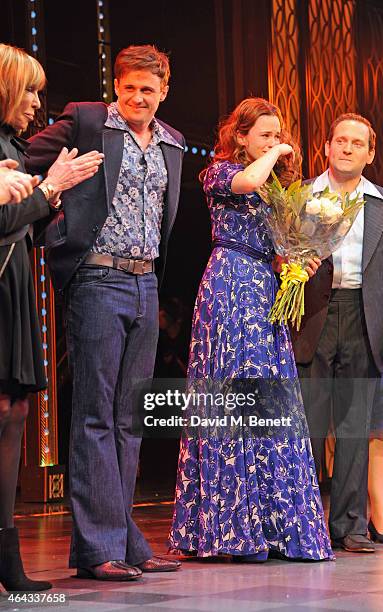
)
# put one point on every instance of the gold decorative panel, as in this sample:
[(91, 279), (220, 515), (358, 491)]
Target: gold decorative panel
[(311, 68), (330, 72), (56, 486), (284, 88)]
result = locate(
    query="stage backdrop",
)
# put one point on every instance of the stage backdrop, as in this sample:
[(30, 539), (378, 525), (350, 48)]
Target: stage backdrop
[(314, 58)]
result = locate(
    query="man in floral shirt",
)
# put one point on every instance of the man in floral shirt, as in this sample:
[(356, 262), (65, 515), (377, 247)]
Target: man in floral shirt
[(106, 252)]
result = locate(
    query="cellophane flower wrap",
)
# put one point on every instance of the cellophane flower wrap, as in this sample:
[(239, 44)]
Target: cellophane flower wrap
[(303, 225)]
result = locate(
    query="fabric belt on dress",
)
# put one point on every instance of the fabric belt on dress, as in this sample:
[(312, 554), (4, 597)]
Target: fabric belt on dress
[(243, 248), (131, 266)]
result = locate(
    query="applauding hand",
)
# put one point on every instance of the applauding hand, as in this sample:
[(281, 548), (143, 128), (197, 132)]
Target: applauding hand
[(69, 170), (15, 185)]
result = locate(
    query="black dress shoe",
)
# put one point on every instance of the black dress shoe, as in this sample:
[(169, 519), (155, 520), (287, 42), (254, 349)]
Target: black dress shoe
[(354, 543), (110, 570), (375, 535), (158, 564)]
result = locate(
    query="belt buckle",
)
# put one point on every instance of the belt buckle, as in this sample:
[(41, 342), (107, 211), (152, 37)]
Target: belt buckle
[(125, 266), (139, 267)]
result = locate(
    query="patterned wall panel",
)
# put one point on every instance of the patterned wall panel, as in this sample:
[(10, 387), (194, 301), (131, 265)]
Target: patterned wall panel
[(284, 87), (330, 72)]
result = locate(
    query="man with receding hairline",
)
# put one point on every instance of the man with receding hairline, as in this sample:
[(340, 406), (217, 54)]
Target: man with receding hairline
[(103, 252), (339, 349)]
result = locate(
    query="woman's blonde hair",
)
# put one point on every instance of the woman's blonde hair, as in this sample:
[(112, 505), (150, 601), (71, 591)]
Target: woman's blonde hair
[(18, 72)]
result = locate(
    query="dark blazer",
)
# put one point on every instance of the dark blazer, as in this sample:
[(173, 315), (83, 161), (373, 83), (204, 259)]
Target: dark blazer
[(318, 291), (70, 236)]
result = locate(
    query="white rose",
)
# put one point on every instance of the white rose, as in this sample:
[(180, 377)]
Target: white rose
[(326, 203), (313, 207), (331, 211)]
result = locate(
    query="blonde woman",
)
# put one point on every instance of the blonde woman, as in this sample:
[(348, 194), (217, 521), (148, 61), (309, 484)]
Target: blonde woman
[(21, 362)]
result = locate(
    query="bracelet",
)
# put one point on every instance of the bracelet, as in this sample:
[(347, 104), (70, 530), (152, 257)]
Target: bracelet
[(48, 190)]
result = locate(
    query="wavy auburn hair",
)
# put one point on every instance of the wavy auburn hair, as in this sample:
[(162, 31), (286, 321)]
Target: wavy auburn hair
[(18, 72), (240, 121)]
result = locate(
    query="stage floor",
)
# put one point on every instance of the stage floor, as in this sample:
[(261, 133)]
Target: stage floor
[(353, 582)]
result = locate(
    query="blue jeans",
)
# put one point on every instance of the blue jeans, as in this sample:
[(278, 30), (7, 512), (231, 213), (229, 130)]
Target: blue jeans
[(112, 332)]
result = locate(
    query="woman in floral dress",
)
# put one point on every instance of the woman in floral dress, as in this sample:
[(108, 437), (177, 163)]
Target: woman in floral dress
[(250, 493)]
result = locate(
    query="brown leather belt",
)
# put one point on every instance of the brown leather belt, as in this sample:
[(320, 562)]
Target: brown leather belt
[(132, 266)]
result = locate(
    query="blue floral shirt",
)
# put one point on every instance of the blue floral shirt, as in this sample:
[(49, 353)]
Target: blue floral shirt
[(133, 226)]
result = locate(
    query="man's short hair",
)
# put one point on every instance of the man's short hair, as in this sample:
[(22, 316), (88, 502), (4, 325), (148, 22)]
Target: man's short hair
[(143, 57), (354, 117)]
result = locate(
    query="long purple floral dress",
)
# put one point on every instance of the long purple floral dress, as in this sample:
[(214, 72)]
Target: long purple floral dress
[(240, 493)]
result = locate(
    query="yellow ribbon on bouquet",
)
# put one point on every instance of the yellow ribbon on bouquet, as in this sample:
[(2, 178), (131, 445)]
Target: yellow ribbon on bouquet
[(292, 273), (289, 301)]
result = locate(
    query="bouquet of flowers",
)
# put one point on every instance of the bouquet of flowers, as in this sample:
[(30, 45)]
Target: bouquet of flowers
[(302, 225)]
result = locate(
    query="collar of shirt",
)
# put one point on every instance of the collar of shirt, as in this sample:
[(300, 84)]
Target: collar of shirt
[(159, 133), (365, 186)]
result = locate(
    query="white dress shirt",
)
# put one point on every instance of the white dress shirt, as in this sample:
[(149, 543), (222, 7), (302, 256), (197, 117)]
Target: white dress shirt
[(348, 258)]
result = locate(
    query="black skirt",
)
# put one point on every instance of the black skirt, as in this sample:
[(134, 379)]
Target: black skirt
[(21, 356)]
